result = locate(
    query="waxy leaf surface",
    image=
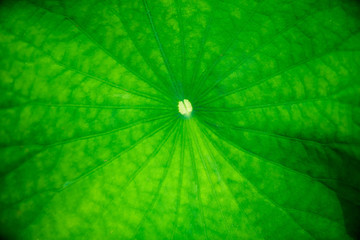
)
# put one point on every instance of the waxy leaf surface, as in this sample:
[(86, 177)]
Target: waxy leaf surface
[(93, 146)]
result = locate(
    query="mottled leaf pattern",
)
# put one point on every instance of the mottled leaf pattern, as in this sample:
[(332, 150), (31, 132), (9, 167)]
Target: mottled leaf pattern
[(92, 144)]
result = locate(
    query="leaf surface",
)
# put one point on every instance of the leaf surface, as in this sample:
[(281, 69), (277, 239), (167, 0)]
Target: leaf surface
[(93, 146)]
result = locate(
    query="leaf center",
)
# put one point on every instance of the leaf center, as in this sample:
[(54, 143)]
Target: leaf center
[(185, 107)]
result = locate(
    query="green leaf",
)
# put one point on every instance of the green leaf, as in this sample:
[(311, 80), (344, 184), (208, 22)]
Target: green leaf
[(180, 119)]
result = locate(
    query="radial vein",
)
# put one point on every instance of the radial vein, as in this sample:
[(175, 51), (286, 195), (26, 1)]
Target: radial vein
[(163, 178), (166, 61)]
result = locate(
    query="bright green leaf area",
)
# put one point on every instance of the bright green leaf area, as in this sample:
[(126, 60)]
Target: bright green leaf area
[(93, 146)]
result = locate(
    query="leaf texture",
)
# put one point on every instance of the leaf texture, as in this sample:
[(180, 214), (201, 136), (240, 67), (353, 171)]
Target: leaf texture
[(93, 146)]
